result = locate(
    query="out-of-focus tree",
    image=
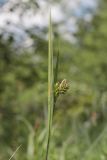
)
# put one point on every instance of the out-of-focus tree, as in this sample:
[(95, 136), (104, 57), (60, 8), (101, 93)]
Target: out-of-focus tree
[(92, 49)]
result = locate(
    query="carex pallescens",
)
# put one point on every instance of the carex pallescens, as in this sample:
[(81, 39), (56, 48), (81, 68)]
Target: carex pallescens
[(61, 88)]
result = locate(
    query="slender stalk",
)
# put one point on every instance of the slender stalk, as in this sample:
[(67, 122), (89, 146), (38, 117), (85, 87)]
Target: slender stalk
[(56, 76), (56, 68), (15, 152), (54, 89), (50, 87)]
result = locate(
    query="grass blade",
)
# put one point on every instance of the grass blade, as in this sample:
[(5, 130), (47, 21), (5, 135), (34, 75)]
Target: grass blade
[(14, 152), (56, 68), (50, 87)]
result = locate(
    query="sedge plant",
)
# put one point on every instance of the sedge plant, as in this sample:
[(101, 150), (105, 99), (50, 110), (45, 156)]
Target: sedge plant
[(55, 89)]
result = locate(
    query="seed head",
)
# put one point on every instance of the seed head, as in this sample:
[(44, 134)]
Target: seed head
[(61, 87)]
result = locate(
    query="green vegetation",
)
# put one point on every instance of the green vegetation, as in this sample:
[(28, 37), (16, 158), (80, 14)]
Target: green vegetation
[(79, 123), (54, 88), (50, 88)]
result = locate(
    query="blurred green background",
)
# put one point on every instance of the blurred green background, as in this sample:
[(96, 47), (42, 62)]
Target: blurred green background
[(80, 120)]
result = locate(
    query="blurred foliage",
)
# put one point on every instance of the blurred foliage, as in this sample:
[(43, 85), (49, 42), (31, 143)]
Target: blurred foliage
[(80, 121)]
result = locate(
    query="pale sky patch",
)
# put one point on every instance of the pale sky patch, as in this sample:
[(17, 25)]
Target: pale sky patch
[(63, 14)]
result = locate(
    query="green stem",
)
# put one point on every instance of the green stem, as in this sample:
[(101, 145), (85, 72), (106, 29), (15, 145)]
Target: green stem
[(50, 88)]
